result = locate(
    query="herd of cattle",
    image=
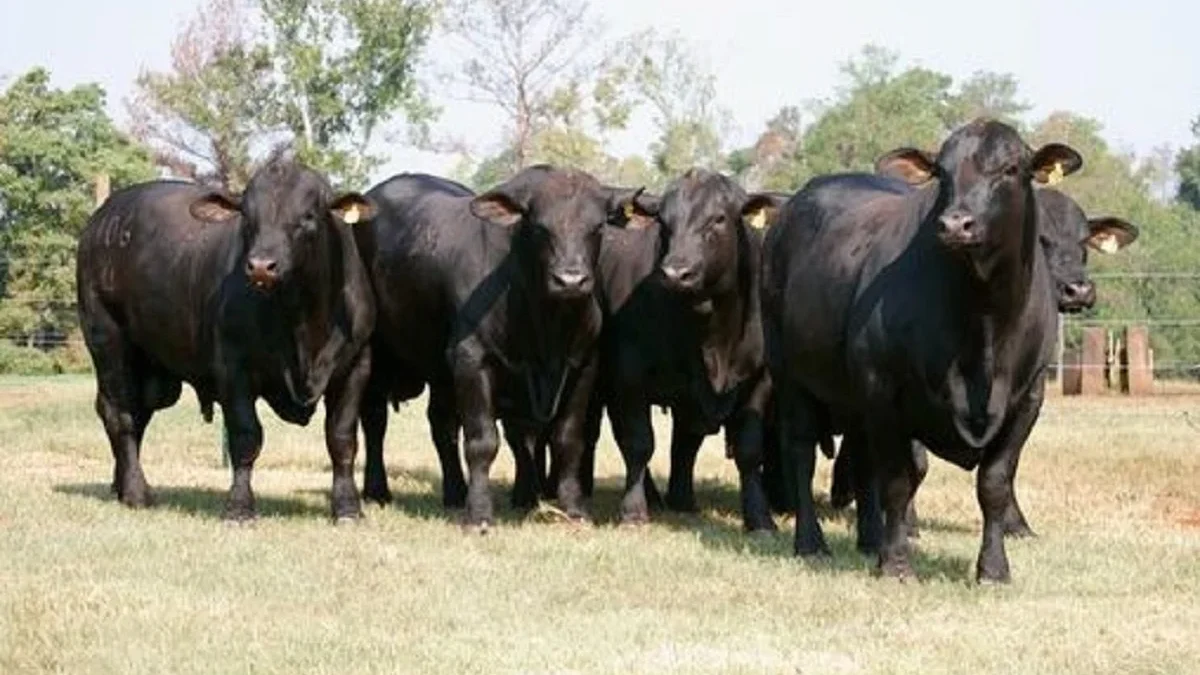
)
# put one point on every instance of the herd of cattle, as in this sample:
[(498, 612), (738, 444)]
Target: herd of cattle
[(909, 309)]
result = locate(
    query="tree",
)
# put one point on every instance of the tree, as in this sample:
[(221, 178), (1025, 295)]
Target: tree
[(875, 110), (344, 68), (326, 76), (682, 95), (524, 57), (1187, 165), (204, 116), (53, 144)]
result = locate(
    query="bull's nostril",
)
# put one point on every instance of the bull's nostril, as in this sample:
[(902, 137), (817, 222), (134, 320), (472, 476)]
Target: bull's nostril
[(271, 266)]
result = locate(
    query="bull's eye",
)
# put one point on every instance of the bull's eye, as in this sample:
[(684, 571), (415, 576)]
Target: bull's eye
[(1012, 170), (308, 222)]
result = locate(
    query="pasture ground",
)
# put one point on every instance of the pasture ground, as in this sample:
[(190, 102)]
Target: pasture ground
[(1112, 585)]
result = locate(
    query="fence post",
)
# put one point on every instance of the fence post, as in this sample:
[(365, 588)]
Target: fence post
[(1092, 377), (1138, 376)]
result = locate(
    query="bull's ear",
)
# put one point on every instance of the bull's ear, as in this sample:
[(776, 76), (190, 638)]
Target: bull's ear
[(216, 207), (910, 165), (352, 208), (497, 207), (760, 209), (633, 209), (1109, 235), (1053, 161)]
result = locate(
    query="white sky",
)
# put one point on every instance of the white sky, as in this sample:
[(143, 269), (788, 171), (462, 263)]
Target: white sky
[(1133, 65)]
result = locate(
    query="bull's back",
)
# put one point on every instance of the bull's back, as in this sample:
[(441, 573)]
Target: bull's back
[(827, 247), (425, 253), (156, 270)]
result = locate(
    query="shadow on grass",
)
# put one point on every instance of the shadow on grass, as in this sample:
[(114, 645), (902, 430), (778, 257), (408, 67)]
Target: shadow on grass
[(207, 502), (718, 526)]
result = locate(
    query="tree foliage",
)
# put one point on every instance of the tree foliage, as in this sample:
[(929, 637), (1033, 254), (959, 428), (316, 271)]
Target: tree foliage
[(1187, 165), (53, 145), (326, 76)]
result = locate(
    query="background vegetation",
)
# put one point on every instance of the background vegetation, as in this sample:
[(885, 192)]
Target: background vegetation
[(331, 77)]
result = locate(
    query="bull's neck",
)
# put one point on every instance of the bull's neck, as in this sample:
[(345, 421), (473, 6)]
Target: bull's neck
[(1005, 281), (726, 313)]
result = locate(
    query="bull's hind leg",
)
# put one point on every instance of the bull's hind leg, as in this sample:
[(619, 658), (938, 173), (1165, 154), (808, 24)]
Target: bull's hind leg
[(681, 488), (523, 442), (800, 430), (890, 453), (118, 402), (442, 415), (373, 414)]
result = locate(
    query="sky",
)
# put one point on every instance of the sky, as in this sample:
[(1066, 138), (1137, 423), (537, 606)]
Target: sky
[(1135, 66)]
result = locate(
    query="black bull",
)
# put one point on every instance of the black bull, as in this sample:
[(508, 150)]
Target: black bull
[(262, 296), (1066, 235), (490, 301), (935, 323)]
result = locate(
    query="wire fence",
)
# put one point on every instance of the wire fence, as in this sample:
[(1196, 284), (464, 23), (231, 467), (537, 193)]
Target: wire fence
[(1185, 369)]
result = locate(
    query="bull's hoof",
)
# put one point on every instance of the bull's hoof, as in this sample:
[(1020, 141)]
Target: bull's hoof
[(377, 494), (895, 569), (137, 498), (634, 520), (481, 528), (812, 549), (681, 503), (987, 575), (239, 513), (760, 525), (868, 547), (347, 521)]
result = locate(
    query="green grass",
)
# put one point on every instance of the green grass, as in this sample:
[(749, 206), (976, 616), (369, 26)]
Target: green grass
[(1112, 585)]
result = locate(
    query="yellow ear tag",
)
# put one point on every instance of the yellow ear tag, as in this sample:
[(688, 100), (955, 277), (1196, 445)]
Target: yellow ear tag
[(351, 215), (1056, 175), (759, 220), (629, 211), (1109, 244)]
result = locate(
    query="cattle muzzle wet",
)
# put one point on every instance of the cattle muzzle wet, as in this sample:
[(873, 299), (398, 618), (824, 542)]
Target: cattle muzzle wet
[(571, 283), (262, 273), (1076, 296), (959, 229), (681, 277)]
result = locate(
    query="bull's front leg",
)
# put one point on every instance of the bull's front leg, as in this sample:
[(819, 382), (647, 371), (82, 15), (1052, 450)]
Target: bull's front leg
[(993, 487), (245, 442), (474, 385), (748, 429), (570, 434), (343, 399)]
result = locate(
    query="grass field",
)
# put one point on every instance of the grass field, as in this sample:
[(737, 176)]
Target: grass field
[(1112, 585)]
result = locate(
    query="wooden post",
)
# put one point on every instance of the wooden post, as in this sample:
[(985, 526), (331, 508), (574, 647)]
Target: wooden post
[(1072, 374), (1137, 375), (103, 188), (1093, 364)]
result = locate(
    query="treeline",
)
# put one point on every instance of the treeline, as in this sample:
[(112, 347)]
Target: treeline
[(338, 79)]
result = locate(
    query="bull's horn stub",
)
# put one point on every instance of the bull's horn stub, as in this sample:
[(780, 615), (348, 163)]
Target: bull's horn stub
[(351, 215), (628, 210), (759, 219), (1056, 175)]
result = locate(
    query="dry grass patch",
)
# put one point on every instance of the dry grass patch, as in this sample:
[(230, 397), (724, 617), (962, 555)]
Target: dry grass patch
[(86, 586)]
